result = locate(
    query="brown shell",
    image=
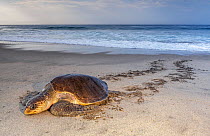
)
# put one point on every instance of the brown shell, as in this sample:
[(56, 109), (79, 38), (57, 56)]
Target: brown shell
[(86, 89)]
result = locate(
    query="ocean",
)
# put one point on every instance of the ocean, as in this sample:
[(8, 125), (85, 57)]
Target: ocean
[(189, 38)]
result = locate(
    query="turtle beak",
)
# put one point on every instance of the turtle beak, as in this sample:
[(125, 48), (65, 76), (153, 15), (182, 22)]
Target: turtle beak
[(26, 111)]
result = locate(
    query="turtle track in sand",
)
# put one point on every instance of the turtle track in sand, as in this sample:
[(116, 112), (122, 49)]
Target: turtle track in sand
[(138, 92), (155, 66), (183, 72)]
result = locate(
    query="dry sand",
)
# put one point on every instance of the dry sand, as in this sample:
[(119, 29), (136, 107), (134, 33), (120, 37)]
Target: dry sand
[(161, 95)]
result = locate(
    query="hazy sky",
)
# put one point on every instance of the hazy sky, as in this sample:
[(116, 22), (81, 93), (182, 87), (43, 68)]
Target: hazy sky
[(104, 12)]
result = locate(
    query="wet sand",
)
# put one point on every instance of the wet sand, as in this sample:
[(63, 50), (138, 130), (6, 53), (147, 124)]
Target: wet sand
[(157, 95)]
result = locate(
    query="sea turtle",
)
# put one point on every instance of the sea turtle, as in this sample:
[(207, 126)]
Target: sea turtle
[(69, 95)]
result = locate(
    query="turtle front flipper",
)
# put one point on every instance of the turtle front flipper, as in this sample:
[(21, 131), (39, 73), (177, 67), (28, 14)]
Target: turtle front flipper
[(65, 108)]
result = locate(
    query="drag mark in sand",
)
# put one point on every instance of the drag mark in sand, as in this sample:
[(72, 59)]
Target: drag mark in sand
[(138, 92), (183, 72), (155, 66), (134, 92)]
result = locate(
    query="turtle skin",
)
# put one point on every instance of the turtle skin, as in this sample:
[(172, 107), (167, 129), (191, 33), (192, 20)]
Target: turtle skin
[(65, 108)]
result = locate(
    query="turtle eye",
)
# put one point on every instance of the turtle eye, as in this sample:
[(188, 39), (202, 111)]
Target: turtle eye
[(33, 106)]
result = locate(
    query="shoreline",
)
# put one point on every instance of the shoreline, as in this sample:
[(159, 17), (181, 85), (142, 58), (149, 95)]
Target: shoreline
[(178, 108), (86, 49)]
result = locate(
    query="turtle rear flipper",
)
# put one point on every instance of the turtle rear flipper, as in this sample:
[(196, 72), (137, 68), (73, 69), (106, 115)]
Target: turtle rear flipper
[(65, 108)]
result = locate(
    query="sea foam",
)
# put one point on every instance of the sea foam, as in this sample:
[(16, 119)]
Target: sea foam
[(159, 37)]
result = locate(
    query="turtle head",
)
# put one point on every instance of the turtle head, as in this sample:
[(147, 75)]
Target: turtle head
[(37, 105), (41, 102)]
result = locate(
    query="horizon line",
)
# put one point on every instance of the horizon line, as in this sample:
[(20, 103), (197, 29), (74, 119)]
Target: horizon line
[(101, 24)]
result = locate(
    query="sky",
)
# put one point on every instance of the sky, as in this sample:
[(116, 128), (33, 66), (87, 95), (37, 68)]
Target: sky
[(104, 12)]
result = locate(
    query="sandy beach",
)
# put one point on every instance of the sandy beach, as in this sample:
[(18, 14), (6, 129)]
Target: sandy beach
[(161, 95)]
